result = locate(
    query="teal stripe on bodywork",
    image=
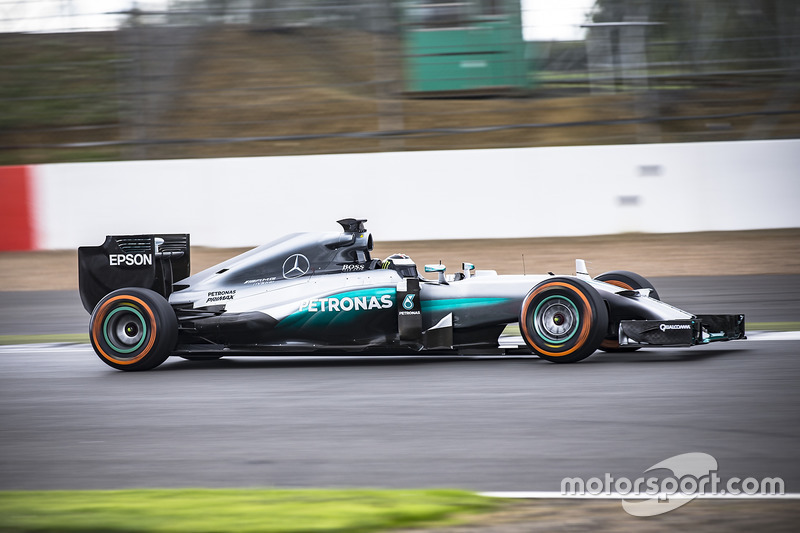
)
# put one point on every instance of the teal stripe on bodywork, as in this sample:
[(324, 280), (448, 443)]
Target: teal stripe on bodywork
[(460, 303)]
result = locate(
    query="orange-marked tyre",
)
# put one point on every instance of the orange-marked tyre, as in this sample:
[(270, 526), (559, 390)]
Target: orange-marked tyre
[(563, 320), (626, 280), (133, 329)]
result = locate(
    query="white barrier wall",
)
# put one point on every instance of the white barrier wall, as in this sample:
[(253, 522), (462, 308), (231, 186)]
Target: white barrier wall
[(524, 192)]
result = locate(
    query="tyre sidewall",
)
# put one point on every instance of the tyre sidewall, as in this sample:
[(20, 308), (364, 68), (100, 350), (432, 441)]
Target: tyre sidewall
[(588, 332), (149, 312)]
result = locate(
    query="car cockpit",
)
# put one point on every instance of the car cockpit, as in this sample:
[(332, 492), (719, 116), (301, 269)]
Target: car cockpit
[(467, 271)]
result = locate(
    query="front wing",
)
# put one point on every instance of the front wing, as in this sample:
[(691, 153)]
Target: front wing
[(702, 329)]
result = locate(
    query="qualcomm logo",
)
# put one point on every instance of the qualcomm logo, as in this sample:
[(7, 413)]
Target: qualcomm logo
[(408, 302), (665, 327), (295, 266)]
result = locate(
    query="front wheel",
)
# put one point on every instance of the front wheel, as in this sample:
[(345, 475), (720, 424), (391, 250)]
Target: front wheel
[(630, 281), (133, 329), (563, 320)]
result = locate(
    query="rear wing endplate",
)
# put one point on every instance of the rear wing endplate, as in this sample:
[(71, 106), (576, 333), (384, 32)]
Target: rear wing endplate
[(150, 261)]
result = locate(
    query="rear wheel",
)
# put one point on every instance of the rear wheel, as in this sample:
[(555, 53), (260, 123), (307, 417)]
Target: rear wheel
[(133, 329), (563, 320), (626, 280)]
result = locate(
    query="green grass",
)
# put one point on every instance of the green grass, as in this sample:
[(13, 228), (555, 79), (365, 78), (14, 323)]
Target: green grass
[(206, 510), (65, 155), (44, 339), (772, 326), (58, 80)]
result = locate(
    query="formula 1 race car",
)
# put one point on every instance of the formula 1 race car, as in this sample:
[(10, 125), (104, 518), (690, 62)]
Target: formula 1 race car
[(323, 293)]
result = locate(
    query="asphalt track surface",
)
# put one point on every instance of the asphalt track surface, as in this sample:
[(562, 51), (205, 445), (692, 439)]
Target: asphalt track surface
[(67, 421)]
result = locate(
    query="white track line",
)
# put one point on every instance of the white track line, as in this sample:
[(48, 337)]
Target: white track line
[(617, 496), (774, 336), (48, 347)]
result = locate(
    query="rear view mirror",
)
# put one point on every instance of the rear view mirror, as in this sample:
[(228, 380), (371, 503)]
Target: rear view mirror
[(437, 268)]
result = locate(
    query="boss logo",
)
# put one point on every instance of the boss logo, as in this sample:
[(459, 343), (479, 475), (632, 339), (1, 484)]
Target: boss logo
[(130, 259)]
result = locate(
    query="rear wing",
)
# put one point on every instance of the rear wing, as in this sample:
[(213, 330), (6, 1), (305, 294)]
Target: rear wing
[(150, 261)]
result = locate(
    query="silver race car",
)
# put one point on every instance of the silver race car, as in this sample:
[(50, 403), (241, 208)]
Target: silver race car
[(324, 293)]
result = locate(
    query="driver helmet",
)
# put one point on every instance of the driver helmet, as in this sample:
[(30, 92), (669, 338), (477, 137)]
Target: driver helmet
[(402, 264)]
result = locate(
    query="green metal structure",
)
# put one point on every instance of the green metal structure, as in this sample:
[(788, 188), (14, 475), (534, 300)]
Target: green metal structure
[(473, 47)]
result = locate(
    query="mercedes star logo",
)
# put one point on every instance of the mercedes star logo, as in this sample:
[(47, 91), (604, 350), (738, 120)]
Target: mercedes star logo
[(295, 266)]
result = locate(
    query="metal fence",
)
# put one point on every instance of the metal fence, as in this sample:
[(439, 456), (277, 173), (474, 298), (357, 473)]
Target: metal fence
[(211, 78)]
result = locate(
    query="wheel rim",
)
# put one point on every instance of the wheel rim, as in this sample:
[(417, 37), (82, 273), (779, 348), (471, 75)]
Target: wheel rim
[(125, 329), (556, 319)]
